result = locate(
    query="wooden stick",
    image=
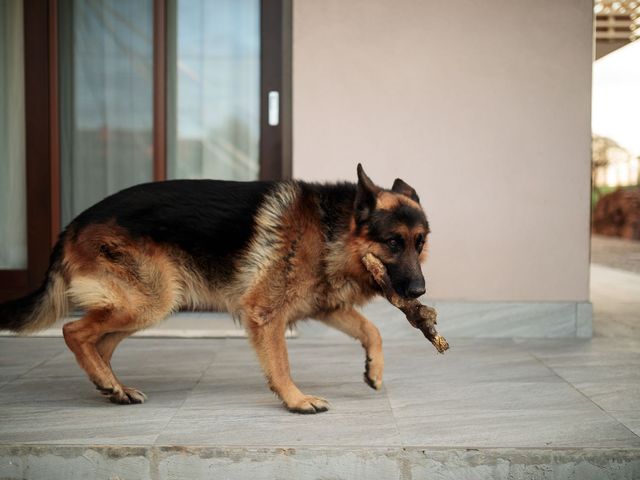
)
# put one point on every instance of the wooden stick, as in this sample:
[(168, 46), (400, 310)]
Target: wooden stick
[(420, 316)]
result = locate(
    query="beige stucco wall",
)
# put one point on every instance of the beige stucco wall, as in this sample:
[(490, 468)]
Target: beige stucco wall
[(484, 107)]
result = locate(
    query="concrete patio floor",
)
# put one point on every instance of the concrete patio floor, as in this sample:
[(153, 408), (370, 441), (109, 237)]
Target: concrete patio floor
[(486, 409)]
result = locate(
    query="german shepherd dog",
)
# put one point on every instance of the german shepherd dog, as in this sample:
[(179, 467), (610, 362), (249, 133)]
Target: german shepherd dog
[(271, 253)]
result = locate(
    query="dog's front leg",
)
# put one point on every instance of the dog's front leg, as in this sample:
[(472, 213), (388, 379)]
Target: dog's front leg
[(268, 339), (356, 325)]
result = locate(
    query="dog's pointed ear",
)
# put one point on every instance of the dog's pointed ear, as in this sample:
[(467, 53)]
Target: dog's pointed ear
[(365, 196), (403, 188)]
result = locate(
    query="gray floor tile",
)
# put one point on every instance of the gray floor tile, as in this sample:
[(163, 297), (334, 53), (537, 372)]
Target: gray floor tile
[(598, 345), (235, 397), (105, 424), (483, 393), (611, 395), (62, 365), (592, 359), (79, 391), (277, 427), (244, 395), (170, 360), (629, 418), (50, 392), (420, 366), (20, 355), (515, 428), (600, 373), (424, 399), (21, 350), (8, 374)]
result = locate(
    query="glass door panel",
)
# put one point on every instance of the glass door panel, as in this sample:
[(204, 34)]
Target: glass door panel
[(213, 110), (106, 99), (13, 200)]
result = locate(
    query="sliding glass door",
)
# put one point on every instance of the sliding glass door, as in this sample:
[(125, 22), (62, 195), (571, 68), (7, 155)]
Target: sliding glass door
[(98, 95), (106, 94), (213, 89), (106, 99), (13, 194)]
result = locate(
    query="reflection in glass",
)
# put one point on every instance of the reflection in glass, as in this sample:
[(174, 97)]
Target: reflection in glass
[(106, 99), (13, 204), (213, 89)]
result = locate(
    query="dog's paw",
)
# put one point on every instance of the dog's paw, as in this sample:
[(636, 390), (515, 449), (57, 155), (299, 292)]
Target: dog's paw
[(373, 373), (135, 395), (309, 404), (124, 395)]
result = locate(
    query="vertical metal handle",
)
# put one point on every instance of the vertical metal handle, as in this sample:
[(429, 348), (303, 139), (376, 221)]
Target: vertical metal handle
[(274, 108)]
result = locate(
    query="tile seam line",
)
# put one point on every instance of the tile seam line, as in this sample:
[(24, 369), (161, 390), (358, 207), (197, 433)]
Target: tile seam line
[(539, 360), (471, 449), (393, 415), (179, 407), (440, 448), (39, 364), (509, 341)]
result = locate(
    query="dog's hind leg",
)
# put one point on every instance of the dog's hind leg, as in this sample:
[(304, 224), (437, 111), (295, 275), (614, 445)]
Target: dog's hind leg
[(129, 287), (356, 325), (83, 337), (106, 346), (108, 343), (268, 339)]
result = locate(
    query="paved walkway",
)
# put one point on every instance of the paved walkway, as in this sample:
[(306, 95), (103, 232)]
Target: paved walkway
[(484, 409), (615, 295), (615, 253)]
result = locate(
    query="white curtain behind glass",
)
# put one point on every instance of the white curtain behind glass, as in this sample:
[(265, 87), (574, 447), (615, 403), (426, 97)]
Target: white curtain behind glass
[(106, 102), (213, 89), (13, 207)]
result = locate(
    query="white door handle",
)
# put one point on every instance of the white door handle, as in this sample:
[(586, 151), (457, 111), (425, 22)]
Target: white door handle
[(274, 108)]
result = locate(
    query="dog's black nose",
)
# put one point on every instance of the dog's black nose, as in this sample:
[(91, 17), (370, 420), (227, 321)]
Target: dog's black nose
[(416, 289)]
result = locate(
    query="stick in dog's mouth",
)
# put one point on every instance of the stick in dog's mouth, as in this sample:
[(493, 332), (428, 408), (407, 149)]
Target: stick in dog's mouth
[(420, 316)]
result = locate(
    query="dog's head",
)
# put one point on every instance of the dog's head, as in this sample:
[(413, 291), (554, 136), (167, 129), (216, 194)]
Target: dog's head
[(396, 229)]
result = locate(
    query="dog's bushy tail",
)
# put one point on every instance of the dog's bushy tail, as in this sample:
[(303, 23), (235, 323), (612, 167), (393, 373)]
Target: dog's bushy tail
[(41, 308)]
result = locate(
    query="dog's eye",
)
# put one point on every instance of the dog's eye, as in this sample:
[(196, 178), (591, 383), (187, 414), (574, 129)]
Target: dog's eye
[(394, 243), (419, 242)]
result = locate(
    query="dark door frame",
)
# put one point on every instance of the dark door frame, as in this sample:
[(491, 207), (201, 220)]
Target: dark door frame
[(275, 75), (42, 127), (41, 154)]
